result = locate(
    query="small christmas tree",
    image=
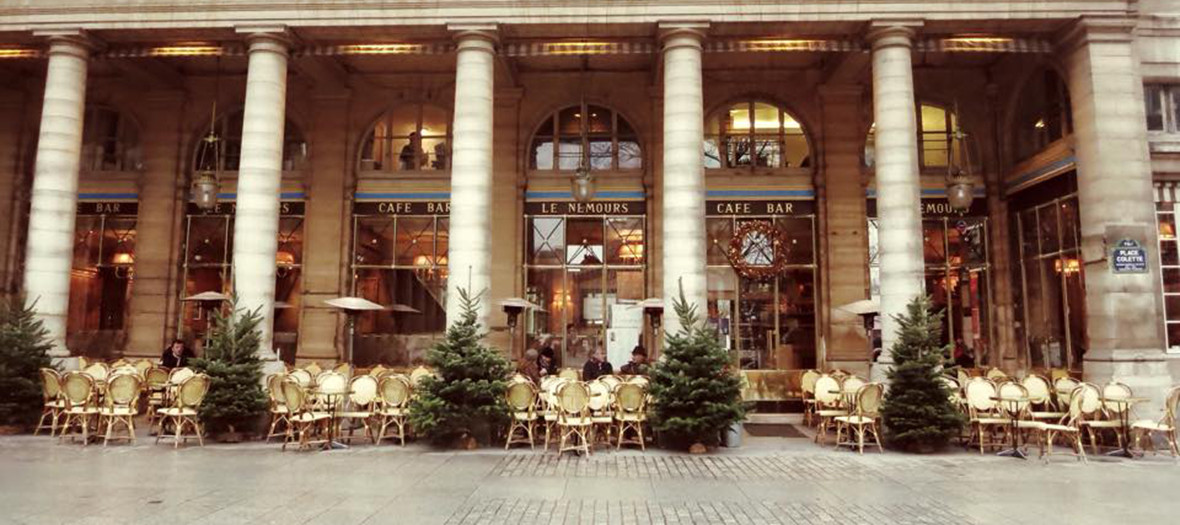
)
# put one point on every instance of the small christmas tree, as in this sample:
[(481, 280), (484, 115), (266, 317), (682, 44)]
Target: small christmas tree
[(24, 351), (466, 397), (918, 414), (695, 393), (235, 399)]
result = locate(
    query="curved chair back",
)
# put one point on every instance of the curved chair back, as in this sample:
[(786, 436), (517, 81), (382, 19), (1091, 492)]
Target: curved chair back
[(950, 383), (852, 384), (417, 374), (331, 383), (979, 393), (573, 398), (77, 388), (50, 384), (180, 375), (1170, 404), (376, 371), (826, 390), (1064, 387), (1089, 398), (123, 390), (343, 368), (143, 365), (611, 381), (521, 396), (395, 390), (274, 387), (996, 374), (98, 371), (119, 362), (1012, 389), (155, 377), (362, 391), (1038, 389), (868, 399), (570, 374), (963, 377), (807, 382), (301, 376), (599, 395), (294, 396), (642, 381), (1115, 390), (123, 369), (314, 369), (192, 391), (630, 398)]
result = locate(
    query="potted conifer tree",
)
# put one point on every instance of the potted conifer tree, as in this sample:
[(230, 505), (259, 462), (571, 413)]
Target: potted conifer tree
[(24, 351), (235, 402)]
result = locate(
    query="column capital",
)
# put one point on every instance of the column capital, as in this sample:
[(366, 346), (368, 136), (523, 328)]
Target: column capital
[(70, 41), (1096, 29), (271, 38), (888, 33), (677, 33), (473, 36)]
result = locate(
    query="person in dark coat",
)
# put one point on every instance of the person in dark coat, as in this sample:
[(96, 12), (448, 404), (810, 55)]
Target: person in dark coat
[(176, 355), (596, 366), (546, 362), (637, 366)]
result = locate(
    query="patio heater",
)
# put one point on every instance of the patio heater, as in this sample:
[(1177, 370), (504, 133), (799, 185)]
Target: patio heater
[(351, 307), (513, 307), (207, 302), (653, 308)]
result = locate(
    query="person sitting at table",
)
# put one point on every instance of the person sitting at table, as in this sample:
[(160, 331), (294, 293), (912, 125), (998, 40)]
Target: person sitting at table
[(546, 361), (528, 366), (596, 366), (176, 355), (637, 366)]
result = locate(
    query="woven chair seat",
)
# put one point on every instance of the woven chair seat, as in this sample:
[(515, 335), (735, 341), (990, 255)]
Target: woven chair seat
[(1151, 425), (393, 411), (82, 410), (1047, 415), (355, 414), (631, 417), (279, 410), (550, 417), (1029, 424), (1057, 428), (602, 419), (55, 404), (1102, 424), (311, 417), (524, 416), (577, 421), (117, 411), (855, 420), (987, 420), (831, 413), (173, 411)]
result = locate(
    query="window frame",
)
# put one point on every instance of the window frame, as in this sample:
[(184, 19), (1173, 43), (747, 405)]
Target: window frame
[(292, 160), (390, 160), (1167, 95), (553, 122), (126, 139), (719, 137)]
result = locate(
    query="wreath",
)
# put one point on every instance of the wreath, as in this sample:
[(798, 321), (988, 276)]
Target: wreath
[(757, 251)]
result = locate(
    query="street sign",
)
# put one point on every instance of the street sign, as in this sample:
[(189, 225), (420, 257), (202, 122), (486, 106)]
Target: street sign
[(1128, 256)]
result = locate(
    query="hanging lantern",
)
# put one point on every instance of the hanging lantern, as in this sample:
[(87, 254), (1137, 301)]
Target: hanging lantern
[(960, 191), (205, 190), (582, 184), (205, 182)]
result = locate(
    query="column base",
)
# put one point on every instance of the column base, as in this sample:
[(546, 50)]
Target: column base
[(1144, 370)]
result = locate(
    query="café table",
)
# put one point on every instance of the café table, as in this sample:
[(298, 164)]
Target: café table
[(1013, 405), (333, 400), (1124, 422)]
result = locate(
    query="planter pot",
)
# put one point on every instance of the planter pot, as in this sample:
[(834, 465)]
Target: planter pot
[(698, 448), (733, 435)]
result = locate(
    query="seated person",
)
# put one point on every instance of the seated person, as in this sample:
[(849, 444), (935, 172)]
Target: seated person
[(528, 366), (596, 366), (637, 366), (176, 355), (546, 364)]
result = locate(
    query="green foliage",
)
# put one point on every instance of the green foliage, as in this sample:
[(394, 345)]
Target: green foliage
[(467, 396), (235, 399), (918, 414), (695, 392), (24, 351)]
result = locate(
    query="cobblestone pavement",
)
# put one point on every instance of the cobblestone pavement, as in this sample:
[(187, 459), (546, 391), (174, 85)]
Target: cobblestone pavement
[(787, 481)]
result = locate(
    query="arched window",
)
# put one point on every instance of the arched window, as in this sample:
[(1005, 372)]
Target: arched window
[(228, 130), (595, 136), (110, 141), (1042, 114), (937, 128), (753, 134), (411, 137)]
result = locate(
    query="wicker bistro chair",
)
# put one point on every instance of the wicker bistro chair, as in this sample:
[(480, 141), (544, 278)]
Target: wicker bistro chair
[(300, 376), (573, 418), (549, 404), (78, 407), (155, 380), (183, 412), (601, 405), (1067, 428), (392, 410), (995, 374), (1091, 417), (522, 401), (807, 387), (1166, 425), (829, 403), (313, 369), (1109, 417), (303, 420), (178, 375), (120, 406), (983, 412), (143, 365), (570, 374), (52, 404), (1042, 398), (611, 381), (98, 371), (863, 419), (362, 403), (630, 414), (277, 406), (417, 374)]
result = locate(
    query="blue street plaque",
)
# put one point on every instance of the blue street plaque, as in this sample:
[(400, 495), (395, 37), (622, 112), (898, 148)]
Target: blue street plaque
[(1128, 256)]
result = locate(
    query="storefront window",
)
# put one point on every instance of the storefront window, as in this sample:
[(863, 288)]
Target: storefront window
[(1043, 114), (103, 271), (1052, 299), (1170, 268), (399, 262), (754, 134), (770, 322), (410, 137), (588, 275), (228, 130), (110, 141), (937, 140), (208, 267), (594, 136)]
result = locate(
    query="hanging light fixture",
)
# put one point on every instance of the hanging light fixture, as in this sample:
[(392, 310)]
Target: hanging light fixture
[(206, 181), (582, 182), (960, 185)]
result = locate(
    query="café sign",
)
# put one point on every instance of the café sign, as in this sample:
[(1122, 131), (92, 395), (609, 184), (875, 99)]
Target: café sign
[(585, 208), (939, 208), (715, 208), (402, 207), (108, 208), (1128, 256), (231, 208)]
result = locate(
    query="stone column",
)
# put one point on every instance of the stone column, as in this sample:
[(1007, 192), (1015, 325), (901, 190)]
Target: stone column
[(324, 225), (155, 232), (469, 252), (846, 272), (683, 174), (50, 249), (898, 185), (12, 104), (1123, 313), (260, 174)]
